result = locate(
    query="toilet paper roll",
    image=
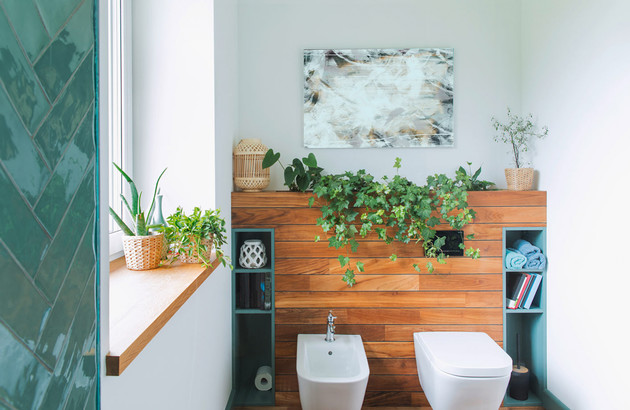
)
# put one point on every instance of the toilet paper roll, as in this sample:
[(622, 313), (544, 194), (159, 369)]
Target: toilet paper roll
[(263, 380)]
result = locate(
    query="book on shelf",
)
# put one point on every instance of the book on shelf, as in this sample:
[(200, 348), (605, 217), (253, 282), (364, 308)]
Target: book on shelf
[(243, 291), (522, 289), (533, 289)]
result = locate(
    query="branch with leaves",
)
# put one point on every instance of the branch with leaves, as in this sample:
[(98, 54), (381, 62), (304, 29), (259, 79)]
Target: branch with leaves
[(517, 132)]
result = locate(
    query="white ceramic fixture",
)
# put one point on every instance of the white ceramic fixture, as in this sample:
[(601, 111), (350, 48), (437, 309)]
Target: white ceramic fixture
[(461, 370), (253, 254), (331, 375)]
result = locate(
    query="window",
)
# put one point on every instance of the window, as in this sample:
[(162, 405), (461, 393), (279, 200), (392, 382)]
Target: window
[(119, 54)]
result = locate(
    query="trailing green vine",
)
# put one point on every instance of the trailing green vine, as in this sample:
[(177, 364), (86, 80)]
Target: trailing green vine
[(396, 209)]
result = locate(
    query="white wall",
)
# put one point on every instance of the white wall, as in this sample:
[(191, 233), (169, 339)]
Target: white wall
[(188, 364), (576, 60), (484, 33), (173, 104)]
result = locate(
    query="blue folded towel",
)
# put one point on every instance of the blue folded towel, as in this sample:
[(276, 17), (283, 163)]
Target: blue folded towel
[(514, 259), (525, 247), (536, 261)]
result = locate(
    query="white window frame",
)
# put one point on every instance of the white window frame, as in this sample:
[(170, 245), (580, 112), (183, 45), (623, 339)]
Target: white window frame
[(119, 113)]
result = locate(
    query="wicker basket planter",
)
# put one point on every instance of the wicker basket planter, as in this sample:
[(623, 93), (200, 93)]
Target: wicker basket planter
[(519, 179), (143, 252), (194, 258), (249, 174)]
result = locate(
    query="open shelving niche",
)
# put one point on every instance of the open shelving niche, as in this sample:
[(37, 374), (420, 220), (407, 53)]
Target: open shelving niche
[(253, 332), (530, 324)]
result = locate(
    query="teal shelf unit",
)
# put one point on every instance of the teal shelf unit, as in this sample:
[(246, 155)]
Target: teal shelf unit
[(253, 330), (529, 324)]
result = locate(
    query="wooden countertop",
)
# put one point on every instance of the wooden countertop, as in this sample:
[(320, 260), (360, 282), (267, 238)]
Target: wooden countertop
[(141, 302)]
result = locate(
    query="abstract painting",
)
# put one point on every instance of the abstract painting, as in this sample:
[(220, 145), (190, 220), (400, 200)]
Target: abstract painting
[(374, 98)]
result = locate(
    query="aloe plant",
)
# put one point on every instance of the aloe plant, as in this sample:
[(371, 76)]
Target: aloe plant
[(139, 225)]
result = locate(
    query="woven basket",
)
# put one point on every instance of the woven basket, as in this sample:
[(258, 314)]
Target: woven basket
[(519, 179), (194, 258), (143, 252), (249, 174)]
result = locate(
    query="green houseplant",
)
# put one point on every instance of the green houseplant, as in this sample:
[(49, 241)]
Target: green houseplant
[(192, 237), (143, 249), (301, 175), (517, 132), (396, 209), (470, 180)]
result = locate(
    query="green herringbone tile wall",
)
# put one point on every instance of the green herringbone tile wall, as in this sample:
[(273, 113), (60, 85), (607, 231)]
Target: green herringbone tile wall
[(47, 205)]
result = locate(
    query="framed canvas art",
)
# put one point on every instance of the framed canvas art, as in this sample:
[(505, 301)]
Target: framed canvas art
[(373, 98)]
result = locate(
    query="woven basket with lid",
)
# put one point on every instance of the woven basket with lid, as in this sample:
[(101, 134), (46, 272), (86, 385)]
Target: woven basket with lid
[(519, 179), (249, 174), (143, 252)]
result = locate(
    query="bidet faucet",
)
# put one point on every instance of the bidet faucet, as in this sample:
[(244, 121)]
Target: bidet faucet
[(330, 330)]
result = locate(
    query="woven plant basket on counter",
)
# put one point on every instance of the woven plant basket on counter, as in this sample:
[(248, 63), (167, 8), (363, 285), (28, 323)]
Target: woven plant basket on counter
[(249, 174), (519, 179), (194, 258), (143, 252)]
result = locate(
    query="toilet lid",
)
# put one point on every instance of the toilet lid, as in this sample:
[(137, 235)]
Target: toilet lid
[(468, 354)]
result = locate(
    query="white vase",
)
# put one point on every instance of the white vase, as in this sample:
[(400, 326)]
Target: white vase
[(253, 254)]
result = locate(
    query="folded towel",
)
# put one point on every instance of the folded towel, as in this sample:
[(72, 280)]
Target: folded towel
[(514, 259), (525, 247), (536, 261)]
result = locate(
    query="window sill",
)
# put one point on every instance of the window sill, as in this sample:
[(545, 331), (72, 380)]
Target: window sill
[(142, 302)]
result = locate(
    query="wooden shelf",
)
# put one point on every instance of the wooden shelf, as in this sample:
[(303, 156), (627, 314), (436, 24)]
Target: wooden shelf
[(142, 302)]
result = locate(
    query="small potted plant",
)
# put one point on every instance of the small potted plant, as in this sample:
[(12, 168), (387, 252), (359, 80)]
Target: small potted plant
[(192, 237), (516, 132), (143, 249)]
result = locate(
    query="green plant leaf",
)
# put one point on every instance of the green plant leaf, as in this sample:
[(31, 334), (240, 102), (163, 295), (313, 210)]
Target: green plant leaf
[(430, 267), (393, 257), (310, 161), (126, 230), (135, 203), (270, 158), (289, 175), (360, 266), (343, 260)]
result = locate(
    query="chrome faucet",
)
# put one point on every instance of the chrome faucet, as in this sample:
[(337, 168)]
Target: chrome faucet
[(330, 330)]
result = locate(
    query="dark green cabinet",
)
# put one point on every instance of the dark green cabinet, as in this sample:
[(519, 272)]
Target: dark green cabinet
[(253, 321)]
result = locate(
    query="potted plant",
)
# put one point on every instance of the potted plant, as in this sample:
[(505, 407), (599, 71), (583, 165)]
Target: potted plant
[(191, 237), (300, 175), (517, 132), (143, 249)]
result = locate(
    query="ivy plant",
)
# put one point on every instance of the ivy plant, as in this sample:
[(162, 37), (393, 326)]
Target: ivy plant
[(396, 209), (301, 175)]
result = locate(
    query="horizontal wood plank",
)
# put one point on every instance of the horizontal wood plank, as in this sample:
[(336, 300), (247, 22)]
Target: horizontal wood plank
[(402, 316), (299, 199), (383, 333), (384, 266), (308, 233), (377, 299), (426, 282), (308, 216), (372, 249)]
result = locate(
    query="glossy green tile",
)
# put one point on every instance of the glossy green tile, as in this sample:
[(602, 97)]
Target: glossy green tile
[(79, 342), (56, 13), (23, 379), (22, 307), (18, 153), (65, 53), (19, 80), (68, 174), (55, 265), (29, 27), (19, 229), (77, 98), (60, 318), (84, 380)]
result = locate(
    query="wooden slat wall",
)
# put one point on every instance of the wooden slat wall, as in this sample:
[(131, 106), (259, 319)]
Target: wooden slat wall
[(391, 300)]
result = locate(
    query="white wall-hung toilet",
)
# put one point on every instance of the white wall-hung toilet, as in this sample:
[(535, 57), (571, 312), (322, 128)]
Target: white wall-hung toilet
[(462, 370)]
